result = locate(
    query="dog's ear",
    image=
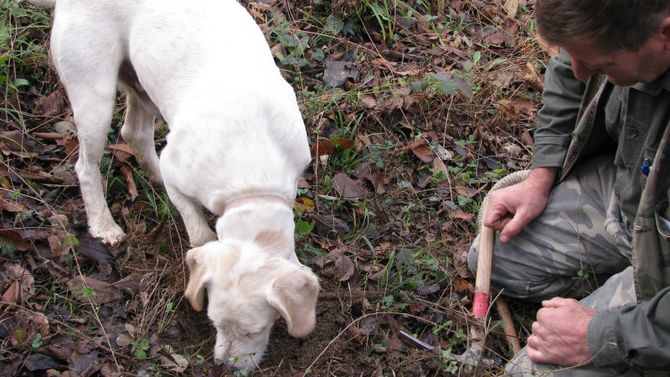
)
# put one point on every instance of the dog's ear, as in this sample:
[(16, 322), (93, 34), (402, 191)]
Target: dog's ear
[(294, 295), (197, 281)]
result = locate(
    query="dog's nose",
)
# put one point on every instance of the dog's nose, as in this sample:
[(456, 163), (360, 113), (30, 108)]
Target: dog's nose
[(222, 354)]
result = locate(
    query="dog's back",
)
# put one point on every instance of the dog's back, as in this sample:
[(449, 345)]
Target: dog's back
[(178, 49), (207, 68)]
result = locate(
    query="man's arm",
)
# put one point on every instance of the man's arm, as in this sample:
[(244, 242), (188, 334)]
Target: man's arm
[(637, 334), (524, 201), (510, 209), (562, 97), (569, 333)]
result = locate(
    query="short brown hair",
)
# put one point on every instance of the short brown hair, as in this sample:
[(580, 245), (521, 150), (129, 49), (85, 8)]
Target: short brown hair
[(612, 24)]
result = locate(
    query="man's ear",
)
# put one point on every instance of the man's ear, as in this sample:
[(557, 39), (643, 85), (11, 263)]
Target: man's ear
[(665, 30), (197, 281), (294, 294)]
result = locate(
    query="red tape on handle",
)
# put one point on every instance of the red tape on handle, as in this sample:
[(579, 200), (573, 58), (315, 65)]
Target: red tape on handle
[(480, 304)]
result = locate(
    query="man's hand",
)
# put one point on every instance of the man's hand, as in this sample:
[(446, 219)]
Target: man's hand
[(524, 201), (560, 334)]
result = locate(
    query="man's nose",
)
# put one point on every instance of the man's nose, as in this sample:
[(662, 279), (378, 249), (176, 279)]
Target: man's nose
[(581, 73)]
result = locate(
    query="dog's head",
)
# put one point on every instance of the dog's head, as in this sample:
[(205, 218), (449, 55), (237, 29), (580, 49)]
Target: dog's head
[(248, 290)]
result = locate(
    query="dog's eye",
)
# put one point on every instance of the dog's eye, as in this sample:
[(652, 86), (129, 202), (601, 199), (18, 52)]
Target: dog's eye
[(252, 333)]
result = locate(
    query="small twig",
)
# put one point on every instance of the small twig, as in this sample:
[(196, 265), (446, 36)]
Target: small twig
[(508, 328)]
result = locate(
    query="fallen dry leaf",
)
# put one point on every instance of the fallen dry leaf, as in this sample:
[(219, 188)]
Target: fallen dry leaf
[(122, 152), (130, 182), (422, 150), (511, 7), (11, 294), (328, 146), (345, 268), (11, 205), (87, 289), (50, 105), (14, 273), (347, 187)]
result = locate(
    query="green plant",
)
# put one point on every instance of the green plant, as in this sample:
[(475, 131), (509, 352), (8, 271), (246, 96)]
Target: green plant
[(295, 45), (140, 348), (37, 341), (303, 228), (20, 52)]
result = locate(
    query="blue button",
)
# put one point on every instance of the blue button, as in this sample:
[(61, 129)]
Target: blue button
[(645, 166)]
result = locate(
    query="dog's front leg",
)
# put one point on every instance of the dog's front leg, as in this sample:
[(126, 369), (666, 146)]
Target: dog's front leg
[(92, 127), (199, 232)]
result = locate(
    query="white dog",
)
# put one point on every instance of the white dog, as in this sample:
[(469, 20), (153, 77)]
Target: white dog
[(237, 146)]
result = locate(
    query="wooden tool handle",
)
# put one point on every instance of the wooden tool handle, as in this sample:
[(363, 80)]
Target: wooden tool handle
[(480, 303)]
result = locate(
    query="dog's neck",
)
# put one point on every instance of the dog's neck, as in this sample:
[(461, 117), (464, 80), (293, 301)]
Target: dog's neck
[(264, 219), (246, 199)]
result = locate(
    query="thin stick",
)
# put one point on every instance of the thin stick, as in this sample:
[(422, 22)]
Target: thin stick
[(508, 328)]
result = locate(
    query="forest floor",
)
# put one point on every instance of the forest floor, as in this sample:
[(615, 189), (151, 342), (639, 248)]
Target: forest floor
[(414, 109)]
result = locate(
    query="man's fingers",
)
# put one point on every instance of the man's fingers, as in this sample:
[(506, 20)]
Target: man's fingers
[(498, 225), (557, 302), (512, 228), (535, 355)]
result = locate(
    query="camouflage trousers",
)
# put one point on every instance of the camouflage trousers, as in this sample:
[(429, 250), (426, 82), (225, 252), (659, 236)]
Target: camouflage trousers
[(578, 247)]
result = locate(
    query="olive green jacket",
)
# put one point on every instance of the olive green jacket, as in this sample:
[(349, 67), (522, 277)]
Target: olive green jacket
[(577, 121)]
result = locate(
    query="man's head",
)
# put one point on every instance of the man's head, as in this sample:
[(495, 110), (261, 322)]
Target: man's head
[(627, 40)]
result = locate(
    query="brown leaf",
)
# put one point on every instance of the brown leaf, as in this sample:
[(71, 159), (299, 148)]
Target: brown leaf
[(368, 102), (50, 105), (462, 215), (395, 343), (511, 7), (440, 167), (130, 284), (532, 78), (130, 182), (364, 170), (467, 191), (345, 268), (495, 39), (328, 146), (123, 340), (41, 321), (461, 285), (11, 205), (15, 238), (99, 292), (84, 364), (122, 152), (94, 249), (71, 145), (11, 294), (516, 106), (422, 150), (338, 72), (347, 187), (16, 142), (56, 245)]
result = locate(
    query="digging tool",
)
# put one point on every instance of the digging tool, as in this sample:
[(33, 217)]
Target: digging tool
[(472, 357), (480, 303)]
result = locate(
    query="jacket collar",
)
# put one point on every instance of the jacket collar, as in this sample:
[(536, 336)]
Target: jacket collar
[(655, 88)]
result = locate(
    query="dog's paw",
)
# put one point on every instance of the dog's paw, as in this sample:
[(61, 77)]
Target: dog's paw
[(109, 235)]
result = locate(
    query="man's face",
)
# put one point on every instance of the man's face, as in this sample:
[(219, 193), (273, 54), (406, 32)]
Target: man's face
[(621, 67)]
